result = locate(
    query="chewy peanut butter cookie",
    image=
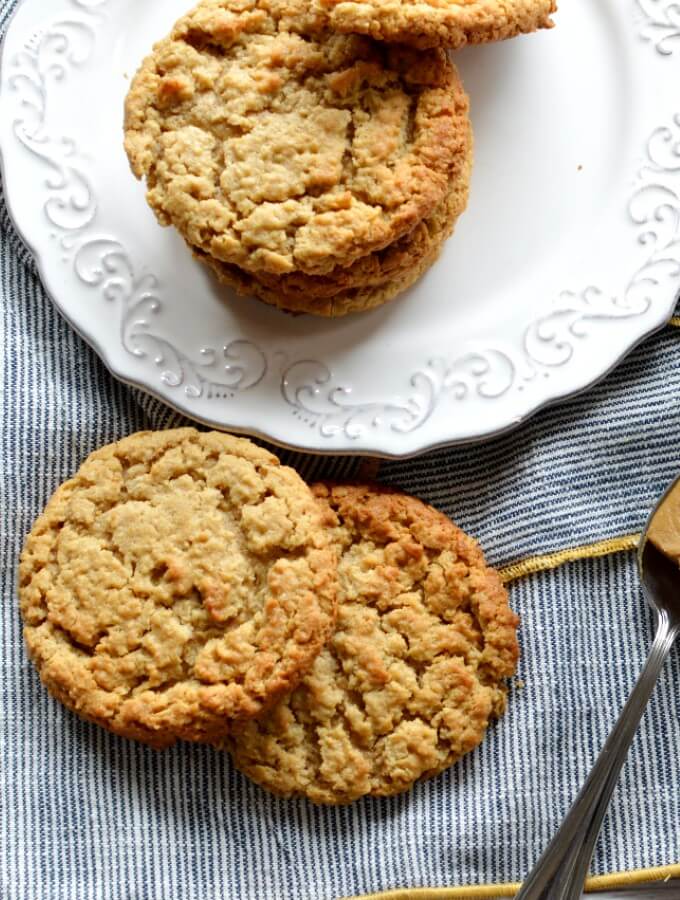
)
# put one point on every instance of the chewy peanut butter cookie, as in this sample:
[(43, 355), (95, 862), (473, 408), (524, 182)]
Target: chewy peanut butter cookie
[(277, 148), (438, 23), (414, 671), (369, 282), (178, 580)]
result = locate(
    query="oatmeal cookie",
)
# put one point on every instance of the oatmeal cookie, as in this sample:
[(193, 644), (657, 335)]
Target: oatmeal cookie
[(279, 151), (414, 671), (178, 580), (369, 282), (438, 23)]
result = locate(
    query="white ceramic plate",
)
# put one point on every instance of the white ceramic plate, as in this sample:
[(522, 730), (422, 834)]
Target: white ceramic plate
[(568, 255)]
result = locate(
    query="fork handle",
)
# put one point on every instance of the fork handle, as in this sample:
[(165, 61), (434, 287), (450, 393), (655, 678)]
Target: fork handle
[(561, 870)]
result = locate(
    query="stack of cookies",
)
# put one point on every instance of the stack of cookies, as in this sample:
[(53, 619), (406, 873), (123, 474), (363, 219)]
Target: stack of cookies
[(314, 154), (339, 641)]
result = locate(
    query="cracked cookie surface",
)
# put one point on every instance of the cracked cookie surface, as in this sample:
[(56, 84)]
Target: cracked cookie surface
[(178, 580), (414, 671), (438, 23), (369, 282), (278, 147)]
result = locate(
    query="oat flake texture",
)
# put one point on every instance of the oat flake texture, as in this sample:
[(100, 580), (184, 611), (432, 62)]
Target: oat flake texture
[(415, 670), (370, 281), (276, 146), (438, 23), (178, 580)]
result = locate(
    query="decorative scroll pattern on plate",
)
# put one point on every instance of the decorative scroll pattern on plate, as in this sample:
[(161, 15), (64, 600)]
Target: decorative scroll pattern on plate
[(661, 24), (71, 210), (103, 263)]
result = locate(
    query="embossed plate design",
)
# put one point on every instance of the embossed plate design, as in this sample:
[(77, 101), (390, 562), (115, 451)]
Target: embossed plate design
[(568, 255)]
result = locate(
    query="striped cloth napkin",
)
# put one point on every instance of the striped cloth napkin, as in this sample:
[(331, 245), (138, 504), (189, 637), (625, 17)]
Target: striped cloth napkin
[(87, 816)]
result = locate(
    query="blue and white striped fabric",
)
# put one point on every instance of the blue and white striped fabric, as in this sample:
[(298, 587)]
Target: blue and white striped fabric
[(86, 816)]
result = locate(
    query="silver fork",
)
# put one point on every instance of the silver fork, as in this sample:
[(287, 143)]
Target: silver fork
[(561, 870)]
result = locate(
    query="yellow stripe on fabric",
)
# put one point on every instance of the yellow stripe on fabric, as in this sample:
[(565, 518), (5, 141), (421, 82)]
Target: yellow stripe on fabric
[(675, 322), (552, 560), (634, 876), (499, 890), (476, 892)]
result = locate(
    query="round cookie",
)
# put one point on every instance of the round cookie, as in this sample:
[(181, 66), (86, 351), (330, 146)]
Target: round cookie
[(178, 580), (369, 282), (414, 670), (438, 23), (277, 151)]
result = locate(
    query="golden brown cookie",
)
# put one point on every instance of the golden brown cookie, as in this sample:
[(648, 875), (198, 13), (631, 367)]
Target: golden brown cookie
[(369, 282), (277, 151), (178, 580), (438, 23), (414, 671)]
